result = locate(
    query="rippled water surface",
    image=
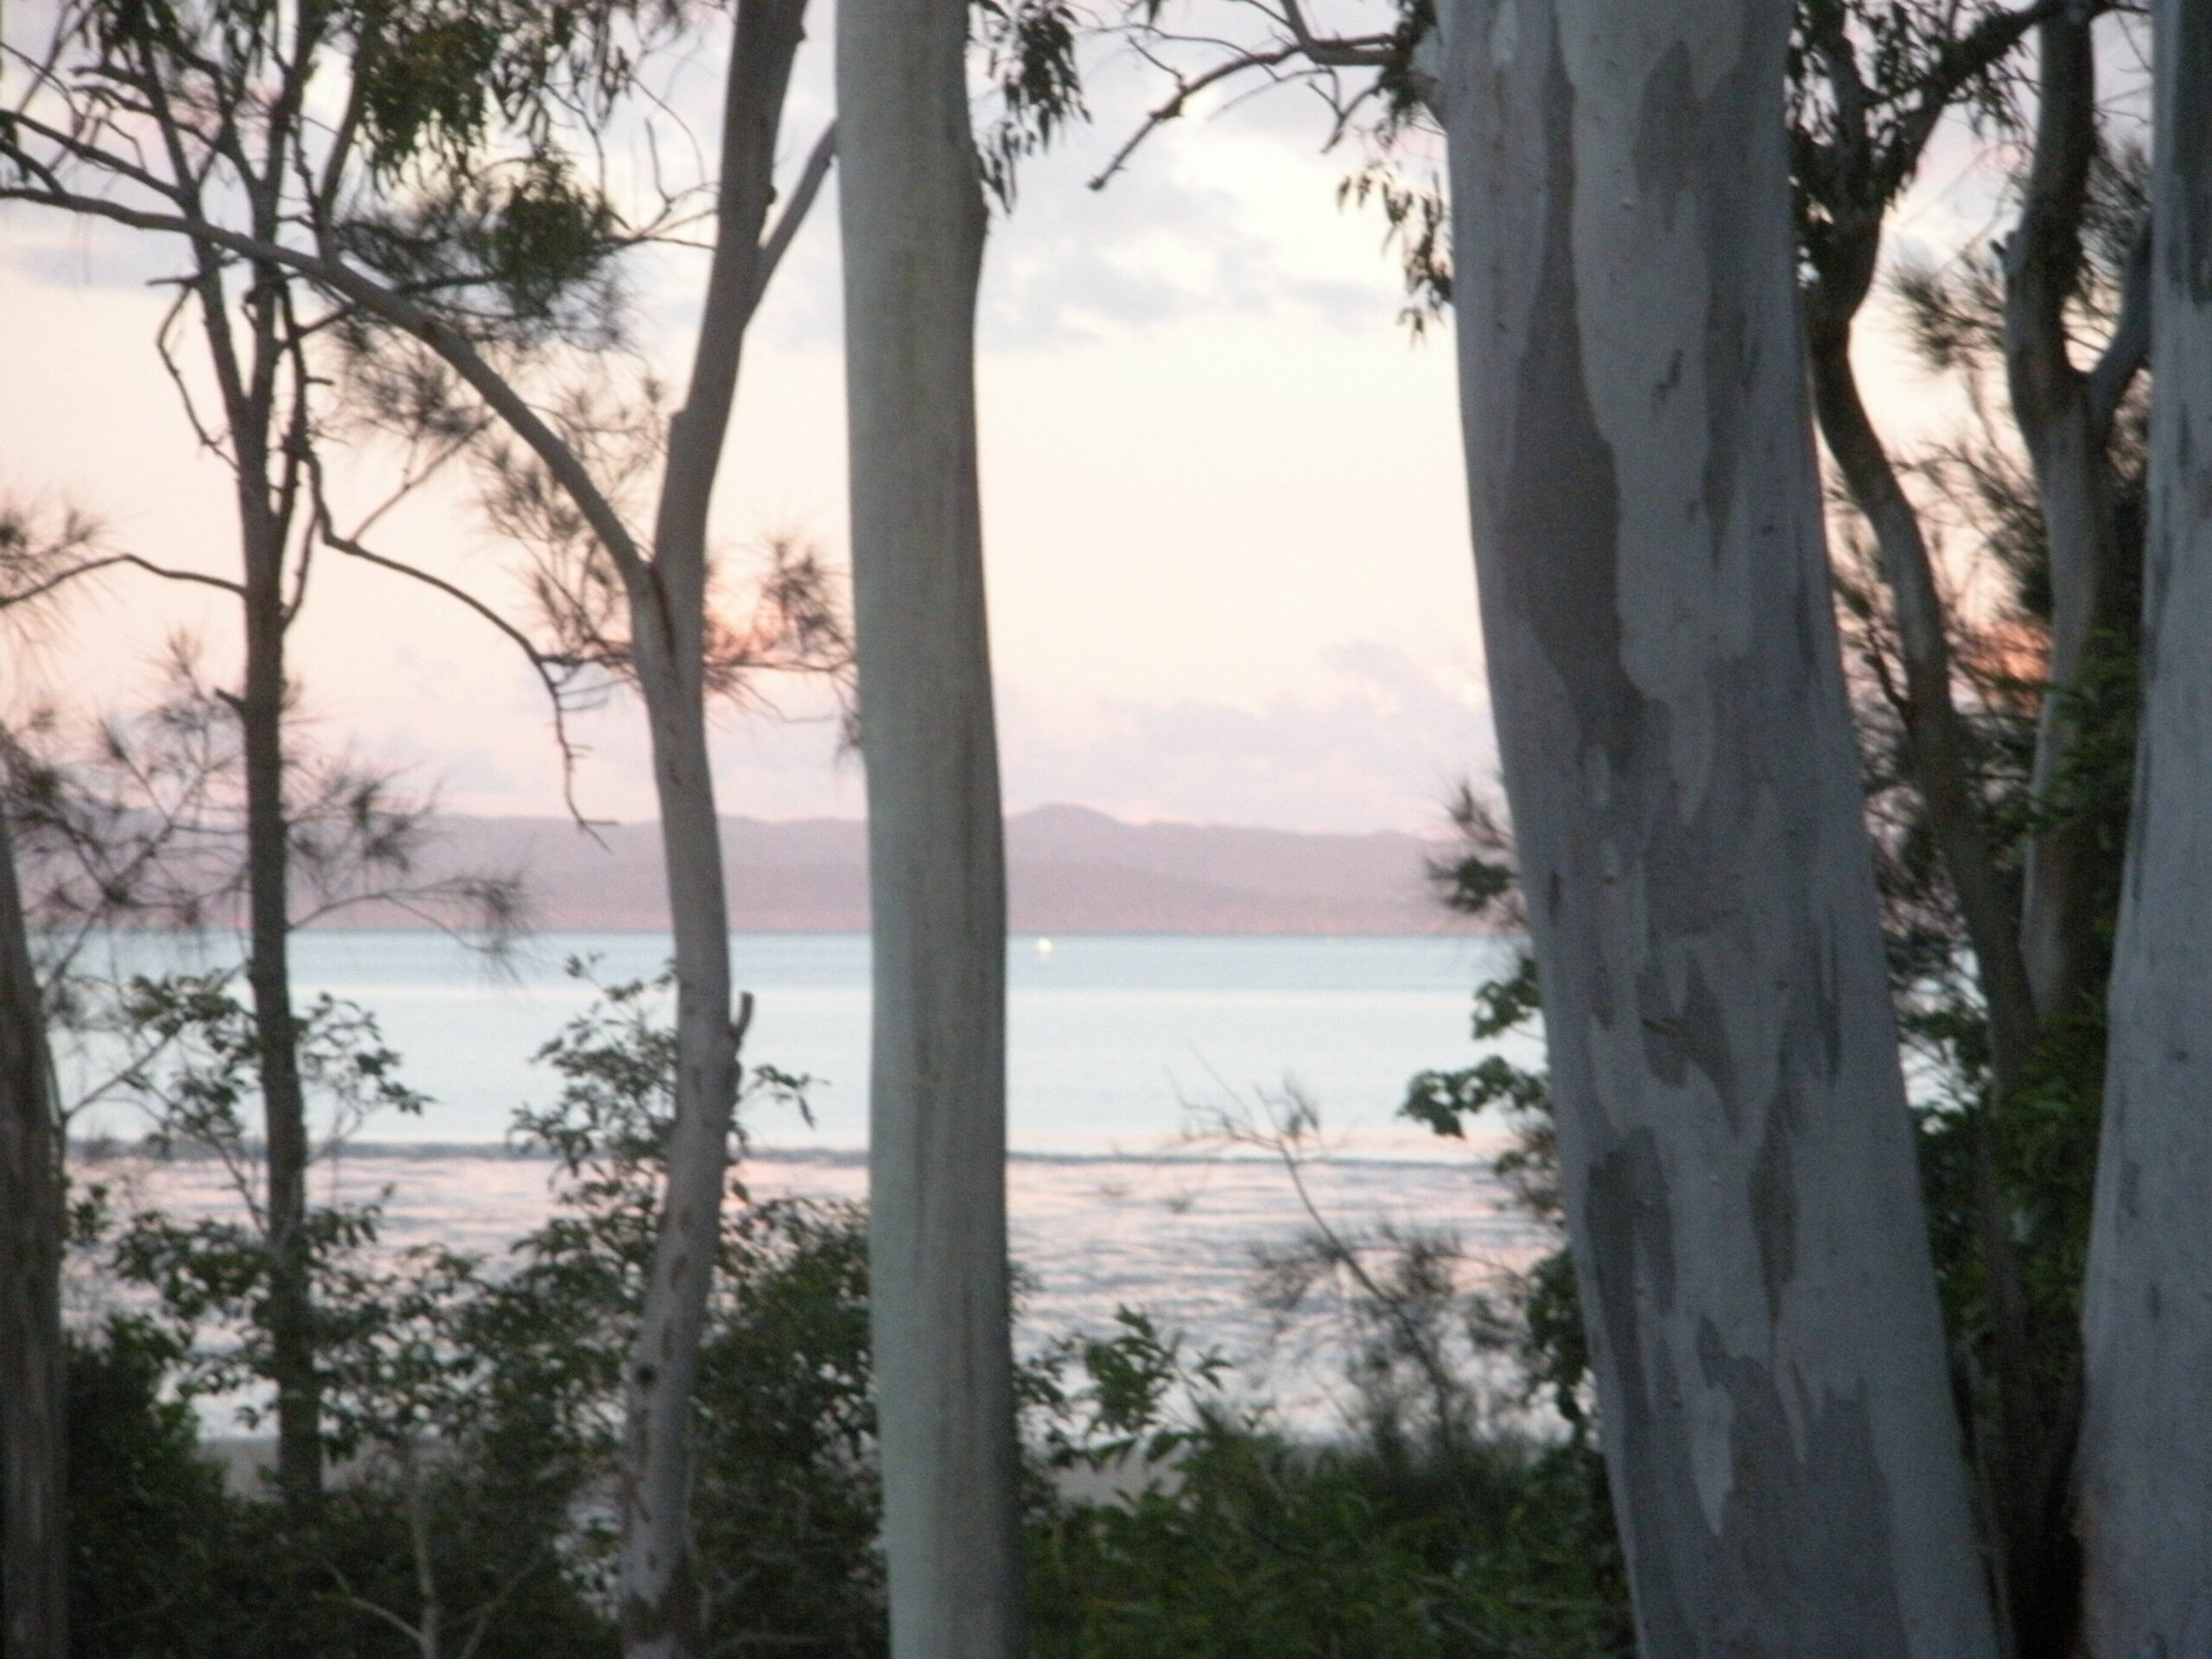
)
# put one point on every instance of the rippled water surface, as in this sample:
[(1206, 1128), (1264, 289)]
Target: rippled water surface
[(1113, 1044)]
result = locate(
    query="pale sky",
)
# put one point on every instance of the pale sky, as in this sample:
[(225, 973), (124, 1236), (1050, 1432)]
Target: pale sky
[(1225, 517)]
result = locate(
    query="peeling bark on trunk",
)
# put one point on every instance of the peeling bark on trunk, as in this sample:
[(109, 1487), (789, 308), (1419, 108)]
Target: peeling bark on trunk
[(1737, 1159), (659, 1590), (913, 222), (2146, 1460), (33, 1538)]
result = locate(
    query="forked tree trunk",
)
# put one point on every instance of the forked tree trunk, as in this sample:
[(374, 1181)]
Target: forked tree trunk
[(1737, 1158), (914, 223), (2146, 1458), (34, 1550), (658, 1591), (2065, 414)]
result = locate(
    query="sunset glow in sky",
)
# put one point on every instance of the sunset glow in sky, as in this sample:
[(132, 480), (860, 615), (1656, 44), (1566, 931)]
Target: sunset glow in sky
[(1225, 516)]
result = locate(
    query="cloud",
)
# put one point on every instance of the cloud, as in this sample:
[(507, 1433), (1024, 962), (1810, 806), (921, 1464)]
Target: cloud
[(1375, 740), (1375, 743), (1233, 216)]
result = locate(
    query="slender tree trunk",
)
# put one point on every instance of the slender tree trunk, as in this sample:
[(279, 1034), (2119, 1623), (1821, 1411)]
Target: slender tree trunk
[(659, 1595), (2067, 429), (2146, 1460), (1736, 1155), (660, 1609), (913, 221), (1937, 743), (2028, 1480), (34, 1588), (291, 1319)]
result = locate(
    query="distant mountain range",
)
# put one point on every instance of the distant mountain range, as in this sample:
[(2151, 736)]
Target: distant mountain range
[(1071, 870)]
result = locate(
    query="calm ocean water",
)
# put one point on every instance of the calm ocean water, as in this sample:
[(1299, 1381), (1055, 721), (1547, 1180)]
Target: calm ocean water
[(1111, 1039)]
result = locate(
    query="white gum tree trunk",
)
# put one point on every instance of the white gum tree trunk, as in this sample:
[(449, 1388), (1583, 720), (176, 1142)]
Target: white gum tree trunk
[(2146, 1469), (658, 1592), (914, 223), (1736, 1154)]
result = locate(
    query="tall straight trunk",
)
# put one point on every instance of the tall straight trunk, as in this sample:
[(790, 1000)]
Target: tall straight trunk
[(2145, 1457), (33, 1542), (1736, 1155), (914, 223), (658, 1592), (291, 1319)]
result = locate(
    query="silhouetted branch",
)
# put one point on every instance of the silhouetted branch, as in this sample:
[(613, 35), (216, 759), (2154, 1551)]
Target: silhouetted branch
[(779, 238)]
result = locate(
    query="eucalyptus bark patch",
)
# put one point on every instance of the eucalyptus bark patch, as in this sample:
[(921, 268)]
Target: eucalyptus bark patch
[(1737, 1158)]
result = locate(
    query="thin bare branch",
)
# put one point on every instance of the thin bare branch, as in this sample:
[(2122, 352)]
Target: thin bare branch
[(2128, 351), (779, 241), (401, 312), (1186, 89), (48, 584), (555, 672)]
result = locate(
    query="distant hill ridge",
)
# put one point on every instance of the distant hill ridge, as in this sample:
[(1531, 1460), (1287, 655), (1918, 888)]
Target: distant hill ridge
[(1071, 870)]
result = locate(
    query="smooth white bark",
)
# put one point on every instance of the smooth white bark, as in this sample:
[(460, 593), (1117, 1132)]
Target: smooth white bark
[(658, 1591), (1736, 1154), (2145, 1463), (913, 221)]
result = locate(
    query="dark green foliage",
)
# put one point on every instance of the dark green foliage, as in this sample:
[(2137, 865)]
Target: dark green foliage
[(542, 237), (786, 1494), (442, 81), (477, 1405), (1234, 1540), (1540, 1313), (425, 79), (147, 1514), (464, 118), (168, 1564), (784, 1502), (1432, 1530)]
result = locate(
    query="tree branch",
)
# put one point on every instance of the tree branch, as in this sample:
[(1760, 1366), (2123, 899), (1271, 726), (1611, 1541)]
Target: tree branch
[(1351, 52), (1161, 114), (394, 308), (779, 241), (2043, 260), (47, 585), (2129, 349), (554, 671)]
